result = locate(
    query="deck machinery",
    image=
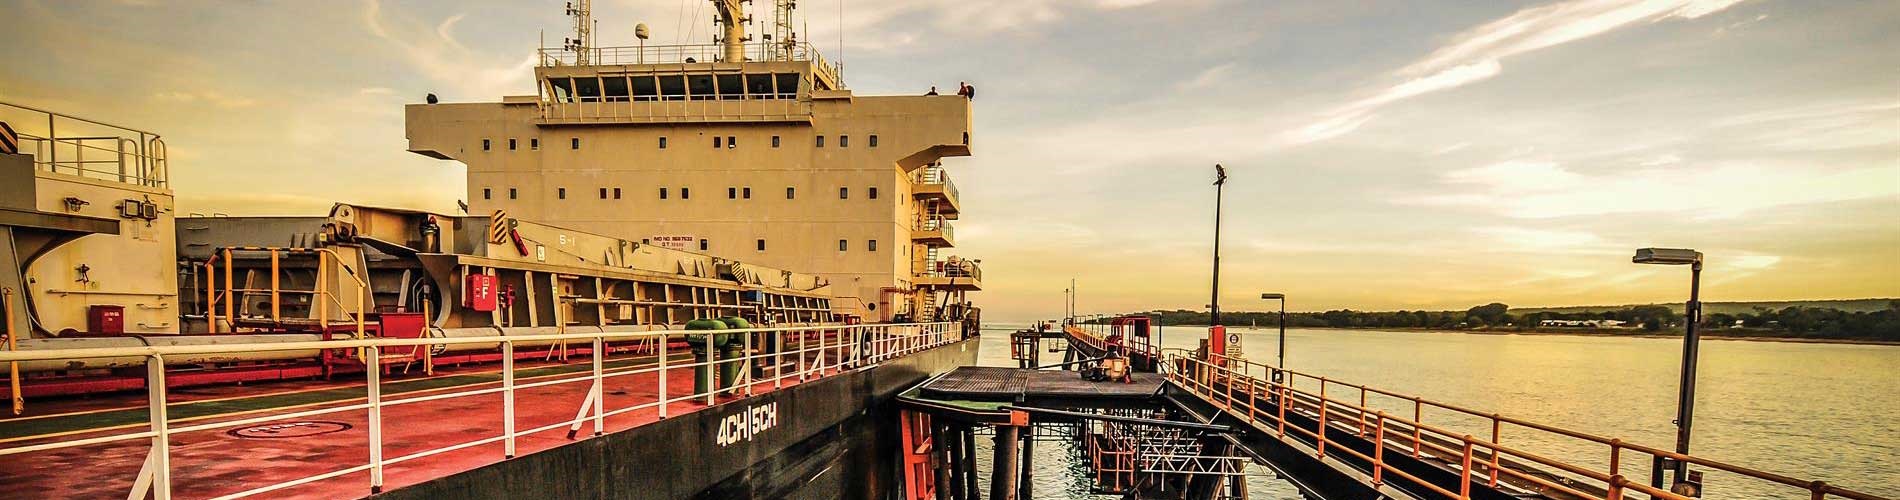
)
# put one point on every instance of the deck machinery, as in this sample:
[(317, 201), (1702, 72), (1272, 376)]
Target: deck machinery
[(98, 258)]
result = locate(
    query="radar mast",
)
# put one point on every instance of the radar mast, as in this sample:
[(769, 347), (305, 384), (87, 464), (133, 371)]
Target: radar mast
[(583, 40)]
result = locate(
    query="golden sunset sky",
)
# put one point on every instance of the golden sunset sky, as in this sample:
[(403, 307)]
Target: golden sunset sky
[(1384, 154)]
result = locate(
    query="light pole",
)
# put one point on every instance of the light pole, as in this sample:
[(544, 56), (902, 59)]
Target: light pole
[(1692, 314), (1220, 184), (1282, 298), (1066, 311)]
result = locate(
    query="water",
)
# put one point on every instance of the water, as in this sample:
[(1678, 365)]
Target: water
[(1811, 411)]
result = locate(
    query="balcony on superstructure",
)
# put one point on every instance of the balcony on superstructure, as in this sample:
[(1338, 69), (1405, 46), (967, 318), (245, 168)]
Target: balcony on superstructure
[(776, 82), (934, 232), (953, 273), (932, 185)]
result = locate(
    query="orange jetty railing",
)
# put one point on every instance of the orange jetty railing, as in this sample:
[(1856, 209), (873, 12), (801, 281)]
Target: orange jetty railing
[(1229, 384)]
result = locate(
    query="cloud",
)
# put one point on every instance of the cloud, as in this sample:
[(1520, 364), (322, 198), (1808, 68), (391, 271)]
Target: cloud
[(1476, 54), (1517, 176), (437, 55), (215, 98), (1538, 190)]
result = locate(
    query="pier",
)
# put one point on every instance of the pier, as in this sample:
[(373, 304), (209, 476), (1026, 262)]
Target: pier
[(1188, 430)]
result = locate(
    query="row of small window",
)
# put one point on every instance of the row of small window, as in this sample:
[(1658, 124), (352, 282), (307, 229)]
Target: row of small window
[(697, 87), (843, 245), (844, 141), (685, 193)]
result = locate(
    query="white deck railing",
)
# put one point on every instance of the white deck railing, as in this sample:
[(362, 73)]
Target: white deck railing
[(811, 351)]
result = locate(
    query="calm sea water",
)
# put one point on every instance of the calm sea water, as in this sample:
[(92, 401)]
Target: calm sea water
[(1817, 411)]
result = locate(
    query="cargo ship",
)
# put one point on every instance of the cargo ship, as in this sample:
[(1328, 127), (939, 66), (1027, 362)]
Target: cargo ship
[(651, 293)]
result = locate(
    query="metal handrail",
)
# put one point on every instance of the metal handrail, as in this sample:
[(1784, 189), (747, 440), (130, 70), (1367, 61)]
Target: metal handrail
[(138, 155), (322, 296), (936, 175), (680, 53), (818, 351), (1202, 377)]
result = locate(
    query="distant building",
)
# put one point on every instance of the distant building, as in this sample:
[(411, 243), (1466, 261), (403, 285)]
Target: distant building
[(1581, 323)]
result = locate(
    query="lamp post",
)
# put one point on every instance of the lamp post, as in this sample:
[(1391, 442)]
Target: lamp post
[(1692, 315), (1282, 298), (1220, 184)]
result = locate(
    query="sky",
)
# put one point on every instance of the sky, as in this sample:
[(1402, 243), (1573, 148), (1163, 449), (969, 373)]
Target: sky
[(1383, 154)]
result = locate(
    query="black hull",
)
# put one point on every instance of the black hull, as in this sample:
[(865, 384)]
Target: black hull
[(834, 438)]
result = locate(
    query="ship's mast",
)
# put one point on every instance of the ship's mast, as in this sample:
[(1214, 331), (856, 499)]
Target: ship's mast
[(583, 30), (732, 19), (783, 38)]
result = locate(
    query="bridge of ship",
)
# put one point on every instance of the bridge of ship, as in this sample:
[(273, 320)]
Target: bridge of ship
[(1186, 430)]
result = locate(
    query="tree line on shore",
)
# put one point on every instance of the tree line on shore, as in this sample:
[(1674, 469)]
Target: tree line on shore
[(1807, 322)]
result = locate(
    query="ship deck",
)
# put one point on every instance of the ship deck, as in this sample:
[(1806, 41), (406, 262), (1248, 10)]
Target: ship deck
[(226, 461)]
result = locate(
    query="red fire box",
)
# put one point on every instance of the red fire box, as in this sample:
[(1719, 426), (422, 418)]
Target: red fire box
[(479, 293), (102, 318)]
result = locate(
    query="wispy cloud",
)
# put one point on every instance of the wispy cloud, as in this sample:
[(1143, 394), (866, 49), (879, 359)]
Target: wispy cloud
[(1477, 54), (436, 54), (1537, 190)]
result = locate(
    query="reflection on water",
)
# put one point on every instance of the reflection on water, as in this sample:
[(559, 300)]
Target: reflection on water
[(1813, 411)]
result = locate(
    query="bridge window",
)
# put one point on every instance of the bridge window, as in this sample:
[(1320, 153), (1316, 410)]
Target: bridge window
[(662, 193), (746, 193), (775, 141), (588, 89), (732, 141), (662, 142), (716, 142), (485, 194), (702, 244), (874, 140), (511, 144), (871, 245), (844, 245), (787, 85), (614, 89), (562, 192), (573, 143), (789, 191), (873, 193), (731, 87), (511, 193), (603, 193), (684, 194), (844, 141), (761, 244), (732, 193), (844, 193), (673, 87), (759, 86), (700, 87), (616, 193), (644, 89), (821, 141), (485, 145), (562, 89), (534, 144)]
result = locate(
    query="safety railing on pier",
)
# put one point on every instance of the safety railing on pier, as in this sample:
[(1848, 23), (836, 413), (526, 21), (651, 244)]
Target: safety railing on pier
[(806, 353), (1232, 385), (88, 148)]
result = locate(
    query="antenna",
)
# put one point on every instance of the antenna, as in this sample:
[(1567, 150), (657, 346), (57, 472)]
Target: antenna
[(730, 16), (583, 30), (784, 40)]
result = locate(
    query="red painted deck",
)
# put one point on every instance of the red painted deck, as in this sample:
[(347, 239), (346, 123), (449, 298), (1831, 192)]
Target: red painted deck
[(212, 463)]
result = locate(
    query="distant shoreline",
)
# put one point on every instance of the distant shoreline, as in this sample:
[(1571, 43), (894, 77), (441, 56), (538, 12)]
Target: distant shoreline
[(1715, 334)]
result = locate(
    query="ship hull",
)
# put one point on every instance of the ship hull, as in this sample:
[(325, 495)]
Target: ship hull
[(831, 438)]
